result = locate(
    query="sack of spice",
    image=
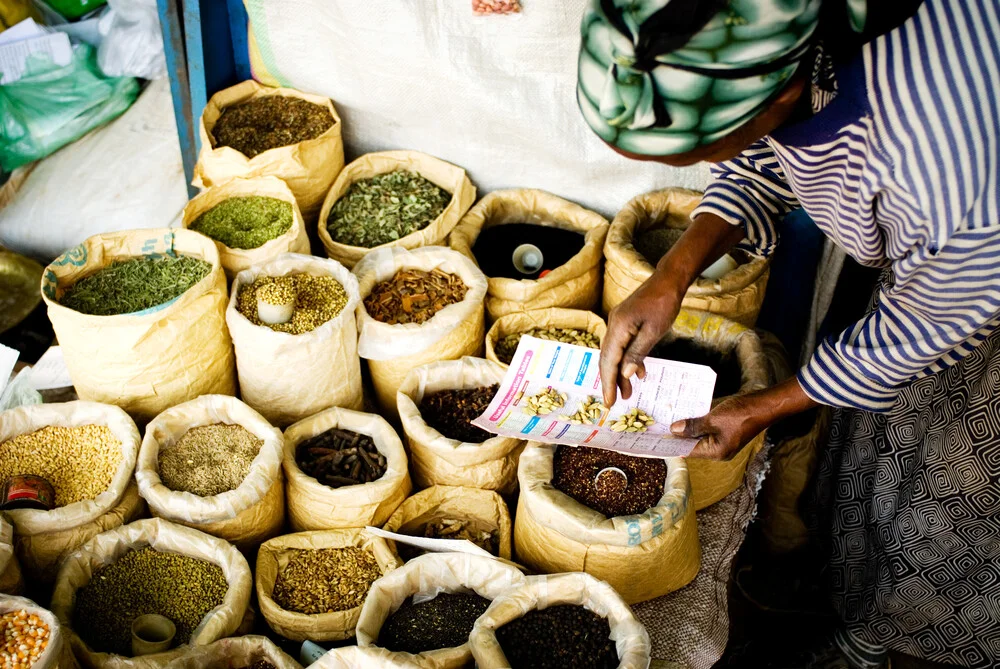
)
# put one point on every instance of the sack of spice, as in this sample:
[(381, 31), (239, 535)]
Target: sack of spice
[(50, 648), (737, 295), (340, 500), (569, 325), (419, 306), (310, 585), (291, 371), (271, 132), (393, 198), (241, 652), (250, 220), (576, 284), (436, 403), (225, 480), (151, 358), (11, 578)]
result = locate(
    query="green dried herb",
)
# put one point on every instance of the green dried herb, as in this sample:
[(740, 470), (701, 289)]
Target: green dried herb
[(270, 122), (127, 286), (245, 222)]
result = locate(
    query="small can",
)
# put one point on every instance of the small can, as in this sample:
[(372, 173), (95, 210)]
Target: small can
[(27, 491)]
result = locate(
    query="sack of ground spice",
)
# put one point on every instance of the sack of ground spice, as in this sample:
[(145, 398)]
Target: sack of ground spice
[(244, 652), (646, 223), (436, 403), (393, 198), (344, 469), (214, 464), (575, 284), (147, 361), (574, 326), (271, 132), (11, 578), (36, 632)]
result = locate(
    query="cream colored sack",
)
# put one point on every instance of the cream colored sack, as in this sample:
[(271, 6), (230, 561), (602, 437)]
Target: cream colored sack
[(393, 350), (576, 284), (355, 657), (540, 592), (275, 554), (11, 579), (240, 651), (57, 653), (444, 175), (439, 460), (245, 516), (574, 319), (150, 360), (424, 578), (314, 506), (737, 295), (294, 240), (161, 535), (288, 377), (308, 167), (555, 533)]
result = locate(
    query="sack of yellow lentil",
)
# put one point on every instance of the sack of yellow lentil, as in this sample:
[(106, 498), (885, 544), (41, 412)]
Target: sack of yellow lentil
[(444, 175), (543, 319), (737, 296), (240, 651), (331, 625), (246, 515), (150, 360), (308, 167), (56, 654), (576, 284), (285, 376), (314, 506), (11, 578), (454, 331)]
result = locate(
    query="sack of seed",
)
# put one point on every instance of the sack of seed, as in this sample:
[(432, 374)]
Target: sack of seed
[(11, 578), (573, 326), (650, 223), (310, 585), (242, 652), (400, 199), (276, 132), (419, 306), (576, 284), (344, 469), (143, 358), (214, 464), (48, 649)]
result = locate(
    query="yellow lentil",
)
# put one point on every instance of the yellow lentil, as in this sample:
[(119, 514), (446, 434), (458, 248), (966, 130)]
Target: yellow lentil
[(318, 299)]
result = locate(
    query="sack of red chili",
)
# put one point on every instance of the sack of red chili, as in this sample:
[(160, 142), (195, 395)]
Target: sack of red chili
[(35, 632)]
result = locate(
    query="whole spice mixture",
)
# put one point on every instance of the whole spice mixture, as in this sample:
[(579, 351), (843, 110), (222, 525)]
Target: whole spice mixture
[(727, 368), (654, 243), (325, 580), (414, 296), (635, 420), (79, 462), (507, 346), (385, 208), (268, 122), (25, 637), (450, 528), (209, 460), (495, 247), (318, 299), (443, 622), (545, 402), (575, 469), (143, 581), (339, 457), (450, 412), (566, 636), (246, 222), (128, 286)]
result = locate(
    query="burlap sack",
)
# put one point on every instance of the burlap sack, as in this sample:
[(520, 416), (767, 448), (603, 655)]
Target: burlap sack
[(355, 657), (240, 652), (555, 533), (288, 377), (275, 554), (294, 240), (11, 578), (577, 284), (424, 578), (393, 350), (576, 319), (438, 460), (307, 167), (251, 513), (57, 653), (314, 506), (161, 535), (445, 175), (539, 592), (736, 296), (151, 360)]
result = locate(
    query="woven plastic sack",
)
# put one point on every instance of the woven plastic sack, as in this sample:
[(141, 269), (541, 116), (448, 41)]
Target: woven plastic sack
[(11, 578), (57, 653), (356, 657), (240, 651), (575, 319)]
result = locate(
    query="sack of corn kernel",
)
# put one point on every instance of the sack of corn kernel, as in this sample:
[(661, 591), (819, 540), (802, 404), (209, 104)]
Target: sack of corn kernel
[(446, 176), (56, 654), (315, 506), (393, 350), (11, 578), (240, 651), (555, 533), (540, 592), (288, 377), (737, 296), (440, 460), (423, 578), (246, 515), (333, 625), (308, 167), (576, 284), (150, 360), (553, 323), (234, 260)]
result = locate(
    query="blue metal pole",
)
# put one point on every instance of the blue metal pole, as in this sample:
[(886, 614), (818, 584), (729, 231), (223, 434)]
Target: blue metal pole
[(173, 43)]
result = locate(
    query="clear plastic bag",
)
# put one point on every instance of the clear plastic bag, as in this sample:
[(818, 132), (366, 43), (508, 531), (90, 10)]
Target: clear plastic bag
[(132, 44)]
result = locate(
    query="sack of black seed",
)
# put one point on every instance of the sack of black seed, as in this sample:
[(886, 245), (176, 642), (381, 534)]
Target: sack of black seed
[(573, 326), (244, 652)]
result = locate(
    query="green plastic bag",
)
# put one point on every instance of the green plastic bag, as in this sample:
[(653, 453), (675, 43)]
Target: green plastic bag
[(74, 9), (52, 105)]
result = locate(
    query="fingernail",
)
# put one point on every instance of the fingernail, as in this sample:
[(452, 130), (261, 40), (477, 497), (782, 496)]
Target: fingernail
[(678, 427), (628, 370)]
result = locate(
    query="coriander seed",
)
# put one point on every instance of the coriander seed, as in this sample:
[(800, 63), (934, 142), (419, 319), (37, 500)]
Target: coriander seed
[(318, 299)]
